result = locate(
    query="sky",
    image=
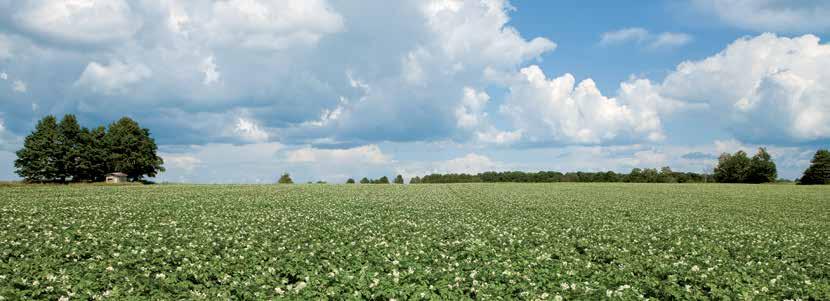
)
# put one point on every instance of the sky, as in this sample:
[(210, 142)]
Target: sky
[(240, 91)]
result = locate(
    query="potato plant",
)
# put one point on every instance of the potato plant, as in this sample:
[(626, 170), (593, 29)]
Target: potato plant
[(414, 242)]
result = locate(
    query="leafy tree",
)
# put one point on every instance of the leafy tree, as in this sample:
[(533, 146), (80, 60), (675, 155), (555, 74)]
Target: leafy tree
[(761, 168), (132, 150), (364, 181), (399, 179), (732, 168), (819, 171), (285, 179), (667, 175), (382, 180), (350, 181), (415, 180), (38, 160), (69, 145), (92, 163)]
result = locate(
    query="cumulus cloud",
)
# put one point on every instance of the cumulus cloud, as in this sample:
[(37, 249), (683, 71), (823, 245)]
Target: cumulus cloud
[(770, 15), (764, 89), (112, 79), (641, 35), (469, 112), (249, 131), (559, 111), (271, 25), (19, 86), (76, 21), (368, 154), (209, 69)]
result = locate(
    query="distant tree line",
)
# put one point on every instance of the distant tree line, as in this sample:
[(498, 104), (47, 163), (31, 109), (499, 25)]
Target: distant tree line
[(64, 151), (637, 175), (731, 168)]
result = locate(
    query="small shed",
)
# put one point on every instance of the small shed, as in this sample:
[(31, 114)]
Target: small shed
[(116, 177)]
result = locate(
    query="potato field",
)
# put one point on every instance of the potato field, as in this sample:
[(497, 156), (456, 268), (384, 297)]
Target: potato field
[(415, 242)]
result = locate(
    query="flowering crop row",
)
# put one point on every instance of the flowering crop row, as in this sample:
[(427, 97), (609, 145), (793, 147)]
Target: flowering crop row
[(483, 241)]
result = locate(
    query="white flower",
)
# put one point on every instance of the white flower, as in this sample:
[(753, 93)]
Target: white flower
[(557, 298), (110, 269), (63, 298), (160, 276), (695, 268)]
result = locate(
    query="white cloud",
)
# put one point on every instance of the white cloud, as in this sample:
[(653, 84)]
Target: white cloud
[(19, 86), (494, 136), (469, 113), (771, 15), (209, 69), (670, 40), (250, 131), (4, 76), (368, 154), (470, 163), (272, 25), (765, 88), (184, 162), (77, 21), (112, 79), (475, 32), (631, 34), (641, 35), (557, 111)]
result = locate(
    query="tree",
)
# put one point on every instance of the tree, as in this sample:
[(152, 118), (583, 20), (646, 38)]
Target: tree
[(132, 150), (819, 171), (92, 163), (38, 160), (350, 181), (761, 168), (382, 180), (69, 146), (415, 180), (732, 168), (285, 179), (364, 181), (399, 179)]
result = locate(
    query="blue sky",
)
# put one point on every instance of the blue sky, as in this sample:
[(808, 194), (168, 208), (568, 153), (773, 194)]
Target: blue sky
[(242, 90)]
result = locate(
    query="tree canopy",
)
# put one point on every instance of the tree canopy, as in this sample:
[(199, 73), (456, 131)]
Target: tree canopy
[(819, 171), (398, 179), (738, 168), (285, 179), (59, 152)]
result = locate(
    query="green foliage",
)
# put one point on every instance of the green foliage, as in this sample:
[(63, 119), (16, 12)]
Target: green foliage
[(381, 180), (38, 160), (761, 168), (285, 179), (350, 181), (415, 242), (415, 180), (637, 175), (739, 168), (365, 181), (819, 170), (69, 146), (57, 152), (93, 160), (732, 168), (398, 179), (132, 150)]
